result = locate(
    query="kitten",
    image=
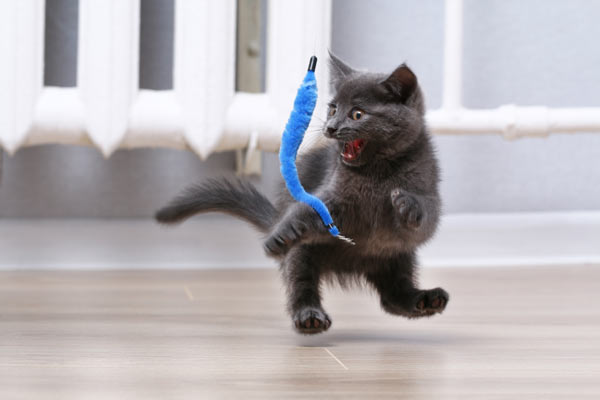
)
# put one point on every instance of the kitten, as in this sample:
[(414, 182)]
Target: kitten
[(378, 176)]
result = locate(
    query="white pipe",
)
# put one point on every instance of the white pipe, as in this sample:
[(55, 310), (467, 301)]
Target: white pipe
[(514, 122), (453, 35)]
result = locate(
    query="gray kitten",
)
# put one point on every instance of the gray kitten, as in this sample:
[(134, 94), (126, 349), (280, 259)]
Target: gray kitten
[(378, 176)]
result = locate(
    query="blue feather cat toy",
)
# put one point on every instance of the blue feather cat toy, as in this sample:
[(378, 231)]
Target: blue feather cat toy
[(304, 106)]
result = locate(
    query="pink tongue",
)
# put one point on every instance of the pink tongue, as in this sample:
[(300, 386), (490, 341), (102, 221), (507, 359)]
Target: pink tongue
[(352, 149)]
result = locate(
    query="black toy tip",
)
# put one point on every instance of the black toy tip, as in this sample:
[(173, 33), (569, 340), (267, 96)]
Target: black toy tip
[(312, 64)]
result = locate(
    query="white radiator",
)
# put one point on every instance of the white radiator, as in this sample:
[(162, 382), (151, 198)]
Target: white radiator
[(109, 111)]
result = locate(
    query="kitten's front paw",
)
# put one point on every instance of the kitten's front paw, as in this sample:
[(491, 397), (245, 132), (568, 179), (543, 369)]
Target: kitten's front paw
[(429, 302), (283, 237), (410, 212), (311, 320)]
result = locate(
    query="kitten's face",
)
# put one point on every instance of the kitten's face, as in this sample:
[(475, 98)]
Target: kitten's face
[(373, 116)]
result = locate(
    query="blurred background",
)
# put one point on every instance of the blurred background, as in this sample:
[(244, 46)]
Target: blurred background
[(152, 96)]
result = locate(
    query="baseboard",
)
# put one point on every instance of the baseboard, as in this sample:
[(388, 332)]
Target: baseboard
[(548, 238), (470, 240)]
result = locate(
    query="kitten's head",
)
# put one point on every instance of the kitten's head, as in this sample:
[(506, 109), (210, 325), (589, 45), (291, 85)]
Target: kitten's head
[(373, 116)]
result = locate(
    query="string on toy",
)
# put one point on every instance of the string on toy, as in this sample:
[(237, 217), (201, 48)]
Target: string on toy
[(304, 106)]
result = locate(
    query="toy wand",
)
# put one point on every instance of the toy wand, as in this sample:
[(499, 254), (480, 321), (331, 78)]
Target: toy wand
[(304, 106)]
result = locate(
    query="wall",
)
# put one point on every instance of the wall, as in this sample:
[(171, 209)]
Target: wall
[(533, 52)]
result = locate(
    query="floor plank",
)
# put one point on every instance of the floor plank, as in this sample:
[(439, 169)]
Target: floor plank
[(507, 333)]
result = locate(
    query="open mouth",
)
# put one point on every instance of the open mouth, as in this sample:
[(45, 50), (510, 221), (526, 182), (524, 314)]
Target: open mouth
[(351, 150)]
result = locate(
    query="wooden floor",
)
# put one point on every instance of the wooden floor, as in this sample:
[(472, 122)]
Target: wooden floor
[(507, 333)]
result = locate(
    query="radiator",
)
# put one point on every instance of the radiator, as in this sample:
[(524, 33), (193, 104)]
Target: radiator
[(202, 111)]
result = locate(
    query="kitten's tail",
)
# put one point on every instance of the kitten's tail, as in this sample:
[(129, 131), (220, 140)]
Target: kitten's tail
[(238, 198)]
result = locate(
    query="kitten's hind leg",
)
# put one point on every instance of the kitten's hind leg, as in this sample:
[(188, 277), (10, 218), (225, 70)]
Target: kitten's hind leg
[(394, 280), (302, 277)]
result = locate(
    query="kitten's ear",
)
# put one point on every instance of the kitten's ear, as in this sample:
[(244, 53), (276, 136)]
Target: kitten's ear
[(339, 71), (401, 83)]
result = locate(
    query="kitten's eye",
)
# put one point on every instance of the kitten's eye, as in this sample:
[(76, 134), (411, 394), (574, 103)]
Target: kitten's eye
[(357, 114), (332, 110)]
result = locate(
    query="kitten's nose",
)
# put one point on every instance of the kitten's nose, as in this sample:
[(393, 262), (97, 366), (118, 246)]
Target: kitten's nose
[(330, 131)]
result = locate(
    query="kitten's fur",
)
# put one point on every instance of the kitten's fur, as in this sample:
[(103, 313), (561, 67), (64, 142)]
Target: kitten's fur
[(385, 198)]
